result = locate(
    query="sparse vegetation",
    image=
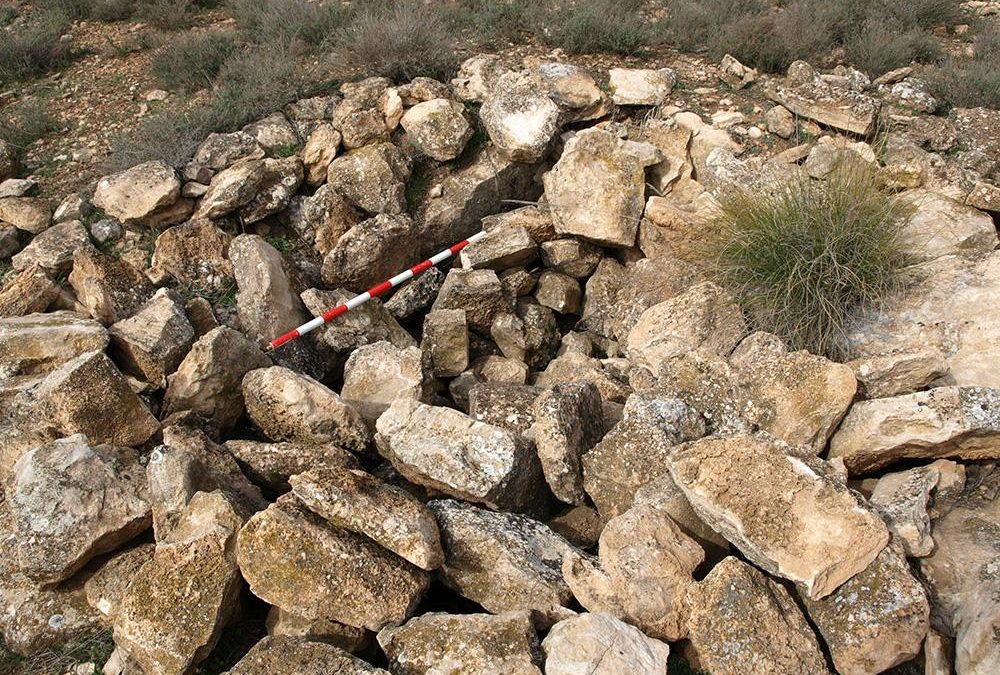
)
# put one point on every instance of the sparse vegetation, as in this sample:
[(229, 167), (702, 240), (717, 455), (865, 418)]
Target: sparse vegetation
[(25, 123), (970, 82), (192, 62), (304, 24), (94, 648), (586, 26), (35, 48), (802, 257)]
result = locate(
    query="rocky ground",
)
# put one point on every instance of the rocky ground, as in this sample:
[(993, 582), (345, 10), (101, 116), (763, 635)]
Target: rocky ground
[(566, 452)]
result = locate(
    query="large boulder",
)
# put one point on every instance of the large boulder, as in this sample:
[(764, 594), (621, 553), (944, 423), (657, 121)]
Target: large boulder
[(371, 252), (943, 422), (300, 562), (472, 643), (744, 623), (600, 644), (372, 178), (443, 449), (503, 561), (792, 516), (152, 343), (71, 502), (437, 128), (284, 655), (138, 193), (597, 188), (520, 120)]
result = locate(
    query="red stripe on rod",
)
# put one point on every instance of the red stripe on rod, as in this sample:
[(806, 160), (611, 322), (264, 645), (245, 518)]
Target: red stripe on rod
[(421, 267), (459, 246), (380, 289), (287, 337), (334, 313)]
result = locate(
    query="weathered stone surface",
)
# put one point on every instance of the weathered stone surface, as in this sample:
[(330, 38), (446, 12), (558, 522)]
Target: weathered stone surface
[(568, 423), (364, 325), (559, 292), (596, 189), (53, 249), (322, 218), (643, 574), (177, 604), (640, 86), (493, 368), (780, 121), (520, 120), (36, 344), (573, 89), (138, 192), (30, 214), (797, 397), (371, 251), (280, 179), (268, 300), (208, 380), (445, 342), (194, 254), (287, 406), (71, 502), (744, 623), (360, 124), (479, 293), (663, 494), (357, 501), (504, 561), (153, 342), (904, 372), (530, 334), (272, 464), (477, 76), (109, 288), (415, 296), (941, 226), (373, 178), (734, 73), (88, 395), (901, 499), (705, 316), (509, 406), (943, 422), (219, 151), (473, 643), (600, 644), (437, 128), (377, 374), (349, 638), (231, 188), (443, 449), (576, 367), (876, 620), (572, 257), (791, 516), (961, 576), (294, 559), (537, 221), (108, 585), (503, 246), (580, 525), (807, 95), (319, 151), (29, 291), (283, 655)]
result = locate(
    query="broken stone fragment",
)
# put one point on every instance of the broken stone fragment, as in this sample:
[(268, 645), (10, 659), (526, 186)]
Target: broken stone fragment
[(943, 422), (503, 246), (108, 585), (287, 406), (599, 643), (31, 290), (443, 449), (53, 249), (479, 293), (662, 494), (505, 405), (559, 292), (791, 516), (941, 226), (643, 573), (357, 501), (445, 342), (437, 128), (477, 76), (572, 257), (36, 344), (321, 218), (377, 374), (71, 502), (300, 562), (415, 296), (109, 288), (806, 94), (580, 525), (743, 623), (28, 214), (152, 343), (272, 464), (371, 252), (284, 655), (220, 151), (320, 149), (529, 335), (520, 120), (364, 325), (901, 499), (372, 178), (279, 182), (137, 193), (473, 643), (231, 188), (194, 254), (504, 561), (640, 86), (568, 423), (349, 638), (897, 373)]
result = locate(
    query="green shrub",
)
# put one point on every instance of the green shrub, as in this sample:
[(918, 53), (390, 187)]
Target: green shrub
[(401, 40), (7, 15), (969, 82), (804, 255), (588, 26), (285, 21), (252, 83), (165, 14), (25, 123), (33, 49), (881, 46), (497, 22), (191, 61), (167, 135)]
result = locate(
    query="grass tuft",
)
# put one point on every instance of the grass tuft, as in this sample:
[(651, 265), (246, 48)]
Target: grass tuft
[(25, 123), (969, 82), (305, 24), (804, 256), (588, 26), (192, 62), (34, 49)]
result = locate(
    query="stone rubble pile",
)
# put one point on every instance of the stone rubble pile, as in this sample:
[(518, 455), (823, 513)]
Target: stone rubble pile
[(564, 453)]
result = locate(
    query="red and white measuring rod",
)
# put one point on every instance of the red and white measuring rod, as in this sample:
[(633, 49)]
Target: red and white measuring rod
[(374, 291)]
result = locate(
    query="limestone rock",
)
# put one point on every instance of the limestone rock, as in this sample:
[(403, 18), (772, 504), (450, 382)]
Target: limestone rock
[(109, 288), (283, 655), (373, 178), (371, 252), (780, 121), (53, 249), (377, 374), (29, 214), (364, 325), (735, 74), (415, 296), (599, 643), (644, 573), (280, 179), (641, 86), (153, 342), (137, 193), (568, 423), (437, 128), (876, 620), (903, 372), (662, 494), (509, 406), (520, 120), (504, 561), (231, 188), (274, 133), (177, 604), (443, 449), (704, 316), (479, 293), (322, 218), (529, 335), (357, 501), (220, 151), (559, 292), (319, 151), (943, 422), (36, 344), (288, 406), (791, 516), (89, 395), (445, 342), (535, 220), (901, 499), (744, 623), (268, 300), (477, 76), (572, 257), (503, 246), (294, 559), (941, 226), (573, 89), (208, 380), (272, 464), (596, 189), (473, 643), (349, 638), (108, 585), (807, 95), (194, 254), (71, 502), (576, 367)]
